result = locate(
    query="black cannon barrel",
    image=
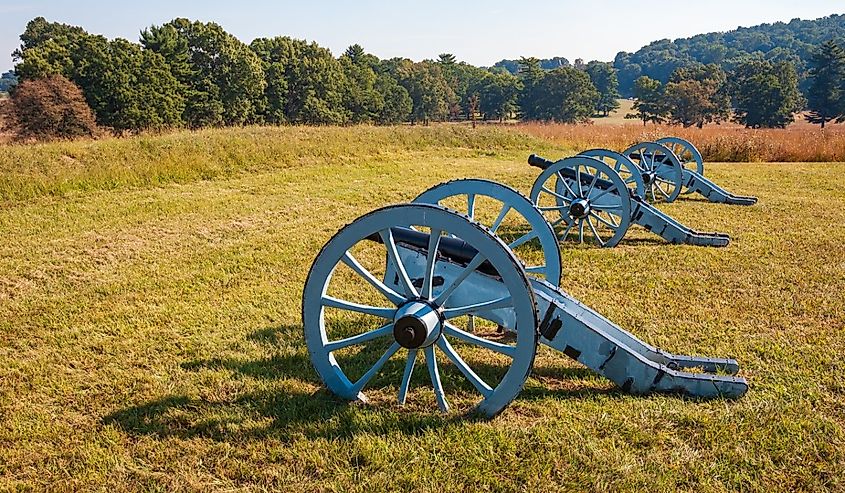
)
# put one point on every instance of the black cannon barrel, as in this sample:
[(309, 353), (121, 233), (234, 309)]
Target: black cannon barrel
[(539, 162), (454, 249)]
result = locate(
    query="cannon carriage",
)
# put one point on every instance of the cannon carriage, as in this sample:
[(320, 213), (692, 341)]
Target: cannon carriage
[(430, 269), (672, 166), (600, 193)]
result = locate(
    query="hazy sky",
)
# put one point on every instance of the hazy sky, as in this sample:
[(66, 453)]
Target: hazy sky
[(478, 32)]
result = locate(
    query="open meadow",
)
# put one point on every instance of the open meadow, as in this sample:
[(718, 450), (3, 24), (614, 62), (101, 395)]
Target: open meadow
[(150, 331)]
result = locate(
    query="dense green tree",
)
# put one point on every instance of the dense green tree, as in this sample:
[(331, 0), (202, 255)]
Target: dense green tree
[(305, 83), (765, 94), (363, 99), (512, 66), (565, 95), (649, 105), (696, 95), (227, 77), (530, 75), (127, 88), (603, 77), (429, 90), (498, 93), (398, 104), (826, 95)]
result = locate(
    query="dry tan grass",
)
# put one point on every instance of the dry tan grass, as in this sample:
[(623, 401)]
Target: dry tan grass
[(799, 142)]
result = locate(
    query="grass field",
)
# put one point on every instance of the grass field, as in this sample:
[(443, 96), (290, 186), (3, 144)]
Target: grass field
[(150, 332)]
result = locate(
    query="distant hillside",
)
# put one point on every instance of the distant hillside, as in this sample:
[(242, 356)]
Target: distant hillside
[(512, 66), (793, 41)]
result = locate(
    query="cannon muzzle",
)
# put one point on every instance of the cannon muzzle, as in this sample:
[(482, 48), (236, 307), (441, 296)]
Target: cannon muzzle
[(539, 162)]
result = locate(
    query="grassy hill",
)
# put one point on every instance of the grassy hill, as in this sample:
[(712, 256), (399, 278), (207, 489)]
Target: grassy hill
[(150, 332)]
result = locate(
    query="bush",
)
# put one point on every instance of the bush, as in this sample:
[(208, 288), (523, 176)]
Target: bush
[(49, 108)]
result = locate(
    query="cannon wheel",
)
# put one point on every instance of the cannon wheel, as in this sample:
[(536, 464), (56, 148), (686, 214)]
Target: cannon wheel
[(687, 153), (581, 208), (506, 199), (623, 165), (663, 174), (324, 342)]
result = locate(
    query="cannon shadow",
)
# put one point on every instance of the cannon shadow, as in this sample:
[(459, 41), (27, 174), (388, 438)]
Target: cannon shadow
[(299, 411)]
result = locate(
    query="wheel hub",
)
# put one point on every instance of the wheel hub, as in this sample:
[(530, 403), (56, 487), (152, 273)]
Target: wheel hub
[(648, 177), (416, 324), (579, 209)]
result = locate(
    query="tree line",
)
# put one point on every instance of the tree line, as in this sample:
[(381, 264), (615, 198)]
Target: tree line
[(756, 93), (795, 42), (193, 74)]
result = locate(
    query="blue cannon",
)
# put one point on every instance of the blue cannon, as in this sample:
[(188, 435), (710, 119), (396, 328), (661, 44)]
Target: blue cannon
[(672, 166), (419, 281), (599, 194)]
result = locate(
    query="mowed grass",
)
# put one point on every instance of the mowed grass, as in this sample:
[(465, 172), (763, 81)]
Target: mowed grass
[(150, 332)]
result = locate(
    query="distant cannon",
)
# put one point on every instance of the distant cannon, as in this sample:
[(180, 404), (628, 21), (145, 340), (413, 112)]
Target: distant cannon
[(671, 166), (598, 194), (427, 270)]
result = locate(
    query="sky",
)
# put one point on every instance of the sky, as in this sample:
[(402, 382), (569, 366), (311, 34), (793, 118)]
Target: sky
[(477, 32)]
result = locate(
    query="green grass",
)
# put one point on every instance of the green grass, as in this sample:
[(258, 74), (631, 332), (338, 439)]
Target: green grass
[(150, 333)]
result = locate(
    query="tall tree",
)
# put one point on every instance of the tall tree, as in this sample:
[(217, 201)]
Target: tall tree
[(765, 94), (649, 105), (227, 82), (363, 100), (498, 93), (127, 88), (566, 95), (430, 92), (305, 83), (826, 95), (697, 94), (531, 75), (603, 76)]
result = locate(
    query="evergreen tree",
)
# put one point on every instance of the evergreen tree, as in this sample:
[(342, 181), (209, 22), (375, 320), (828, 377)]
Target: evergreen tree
[(227, 79), (604, 78), (826, 95), (305, 83), (765, 94), (531, 75), (649, 105)]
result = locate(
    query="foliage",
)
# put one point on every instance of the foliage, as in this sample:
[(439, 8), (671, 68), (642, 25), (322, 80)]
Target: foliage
[(513, 66), (127, 88), (226, 77), (826, 96), (429, 90), (194, 74), (649, 104), (564, 95), (765, 94), (603, 77), (794, 41), (498, 93), (305, 83), (696, 95), (48, 108)]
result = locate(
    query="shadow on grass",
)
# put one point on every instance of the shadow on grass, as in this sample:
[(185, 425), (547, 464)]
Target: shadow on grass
[(286, 415)]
